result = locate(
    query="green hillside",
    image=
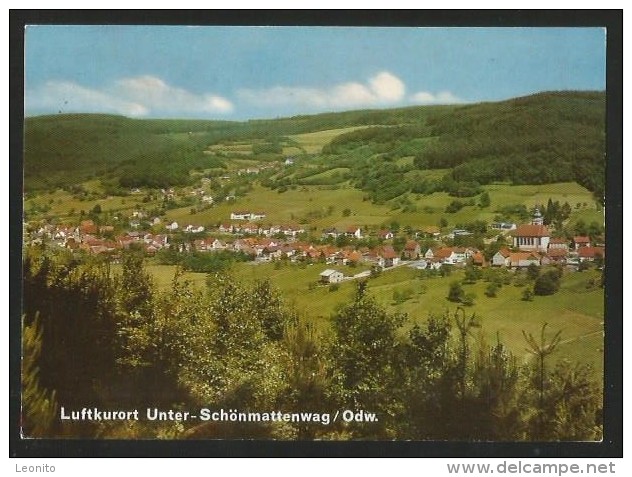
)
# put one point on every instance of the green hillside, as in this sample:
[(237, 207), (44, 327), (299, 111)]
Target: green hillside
[(544, 138)]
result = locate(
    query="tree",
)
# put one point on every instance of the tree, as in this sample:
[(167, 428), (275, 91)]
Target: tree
[(39, 406), (365, 353), (491, 290), (134, 294), (548, 283), (541, 350), (307, 374), (533, 271), (456, 292), (472, 274), (485, 201)]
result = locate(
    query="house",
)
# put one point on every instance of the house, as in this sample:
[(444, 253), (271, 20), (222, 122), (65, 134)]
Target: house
[(501, 258), (534, 236), (558, 243), (354, 232), (502, 226), (478, 259), (257, 215), (291, 230), (194, 229), (411, 250), (331, 276), (557, 254), (240, 216), (429, 231), (448, 255), (385, 235), (172, 226), (226, 228), (387, 257), (581, 241), (88, 227), (523, 259), (590, 254), (459, 233), (289, 161), (331, 232)]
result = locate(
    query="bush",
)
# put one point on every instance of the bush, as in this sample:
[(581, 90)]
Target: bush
[(334, 287), (491, 290), (456, 293), (468, 300), (548, 283)]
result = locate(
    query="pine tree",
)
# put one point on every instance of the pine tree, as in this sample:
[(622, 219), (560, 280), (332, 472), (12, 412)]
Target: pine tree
[(39, 406)]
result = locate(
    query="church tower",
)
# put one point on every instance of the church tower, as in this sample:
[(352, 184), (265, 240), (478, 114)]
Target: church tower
[(537, 217)]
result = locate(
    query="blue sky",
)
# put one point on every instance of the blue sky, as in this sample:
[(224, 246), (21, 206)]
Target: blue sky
[(262, 72)]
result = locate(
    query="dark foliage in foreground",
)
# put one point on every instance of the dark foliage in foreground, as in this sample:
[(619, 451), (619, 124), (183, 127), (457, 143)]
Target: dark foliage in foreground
[(99, 339)]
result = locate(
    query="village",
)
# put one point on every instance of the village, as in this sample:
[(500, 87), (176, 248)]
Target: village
[(510, 245)]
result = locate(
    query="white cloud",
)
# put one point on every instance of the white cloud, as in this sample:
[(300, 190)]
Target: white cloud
[(443, 97), (135, 96), (382, 89), (69, 96)]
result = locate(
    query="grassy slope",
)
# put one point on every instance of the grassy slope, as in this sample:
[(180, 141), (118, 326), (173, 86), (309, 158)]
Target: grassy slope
[(575, 310)]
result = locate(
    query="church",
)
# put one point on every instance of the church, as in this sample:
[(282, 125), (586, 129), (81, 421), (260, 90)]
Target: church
[(534, 236)]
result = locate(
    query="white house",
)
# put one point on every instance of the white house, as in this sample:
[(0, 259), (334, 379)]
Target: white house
[(240, 216), (354, 232), (523, 259), (501, 258), (331, 276)]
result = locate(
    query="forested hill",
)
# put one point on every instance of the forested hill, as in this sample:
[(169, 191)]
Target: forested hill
[(547, 137)]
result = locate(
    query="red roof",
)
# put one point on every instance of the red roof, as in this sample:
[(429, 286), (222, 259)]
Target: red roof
[(517, 256), (531, 230), (581, 239), (591, 252), (388, 252), (557, 252), (478, 258), (558, 241), (444, 252), (411, 245)]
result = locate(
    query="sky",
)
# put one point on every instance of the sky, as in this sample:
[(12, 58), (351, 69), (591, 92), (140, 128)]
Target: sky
[(236, 73)]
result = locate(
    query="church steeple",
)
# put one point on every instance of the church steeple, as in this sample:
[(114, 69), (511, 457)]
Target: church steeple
[(537, 217)]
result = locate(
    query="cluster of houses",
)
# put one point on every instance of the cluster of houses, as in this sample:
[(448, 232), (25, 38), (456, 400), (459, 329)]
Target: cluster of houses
[(91, 238), (532, 244)]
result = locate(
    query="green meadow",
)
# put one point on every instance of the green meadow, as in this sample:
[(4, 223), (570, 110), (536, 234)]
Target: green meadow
[(577, 309)]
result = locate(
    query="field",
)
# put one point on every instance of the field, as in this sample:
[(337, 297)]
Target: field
[(312, 143), (577, 310)]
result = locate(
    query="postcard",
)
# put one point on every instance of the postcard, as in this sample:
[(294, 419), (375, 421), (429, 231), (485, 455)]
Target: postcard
[(314, 234)]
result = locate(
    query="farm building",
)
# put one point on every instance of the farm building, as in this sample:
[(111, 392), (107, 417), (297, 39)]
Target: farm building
[(331, 276)]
